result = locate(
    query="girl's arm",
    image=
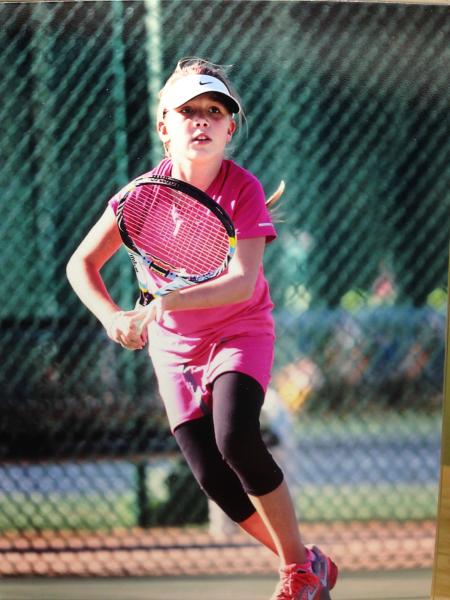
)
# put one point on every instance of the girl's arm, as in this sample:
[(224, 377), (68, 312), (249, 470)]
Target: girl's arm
[(237, 285), (83, 273)]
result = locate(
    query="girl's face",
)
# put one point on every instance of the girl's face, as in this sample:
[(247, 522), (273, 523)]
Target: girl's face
[(198, 130)]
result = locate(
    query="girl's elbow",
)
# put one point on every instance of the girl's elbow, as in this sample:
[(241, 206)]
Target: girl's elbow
[(74, 266)]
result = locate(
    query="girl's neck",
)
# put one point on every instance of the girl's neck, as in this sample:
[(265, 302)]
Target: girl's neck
[(199, 175)]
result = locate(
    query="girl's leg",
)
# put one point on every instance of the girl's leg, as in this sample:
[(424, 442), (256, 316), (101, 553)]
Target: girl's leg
[(237, 402), (219, 482), (277, 513), (256, 527)]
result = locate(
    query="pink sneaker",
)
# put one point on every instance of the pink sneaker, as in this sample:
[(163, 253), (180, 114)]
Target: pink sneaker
[(325, 569), (296, 583)]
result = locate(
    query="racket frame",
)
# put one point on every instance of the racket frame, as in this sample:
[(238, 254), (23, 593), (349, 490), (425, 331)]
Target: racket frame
[(141, 259)]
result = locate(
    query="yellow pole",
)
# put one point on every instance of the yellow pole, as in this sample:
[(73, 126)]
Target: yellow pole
[(441, 569)]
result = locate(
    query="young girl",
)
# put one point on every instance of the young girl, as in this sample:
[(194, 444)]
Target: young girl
[(212, 344)]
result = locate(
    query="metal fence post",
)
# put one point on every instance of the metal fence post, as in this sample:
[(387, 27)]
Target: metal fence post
[(154, 69)]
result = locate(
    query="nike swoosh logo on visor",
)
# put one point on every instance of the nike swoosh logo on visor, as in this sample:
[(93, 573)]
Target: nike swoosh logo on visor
[(204, 82)]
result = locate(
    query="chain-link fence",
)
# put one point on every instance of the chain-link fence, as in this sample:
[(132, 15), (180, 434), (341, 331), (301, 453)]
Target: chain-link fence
[(349, 104)]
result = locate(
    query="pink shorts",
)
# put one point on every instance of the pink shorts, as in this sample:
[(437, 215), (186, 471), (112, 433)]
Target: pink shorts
[(186, 387)]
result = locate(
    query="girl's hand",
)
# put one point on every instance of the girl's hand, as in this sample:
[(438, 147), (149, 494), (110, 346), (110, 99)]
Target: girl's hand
[(125, 328), (152, 312)]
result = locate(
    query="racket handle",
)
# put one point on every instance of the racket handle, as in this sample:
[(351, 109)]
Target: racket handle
[(139, 306)]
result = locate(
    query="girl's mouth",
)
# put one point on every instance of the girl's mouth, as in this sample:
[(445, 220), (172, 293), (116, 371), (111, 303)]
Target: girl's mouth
[(201, 138)]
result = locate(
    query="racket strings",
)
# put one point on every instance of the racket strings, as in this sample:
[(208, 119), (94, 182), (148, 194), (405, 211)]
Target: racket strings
[(170, 226), (177, 224)]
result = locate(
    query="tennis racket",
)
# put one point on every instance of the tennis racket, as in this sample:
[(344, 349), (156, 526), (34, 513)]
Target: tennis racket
[(175, 230)]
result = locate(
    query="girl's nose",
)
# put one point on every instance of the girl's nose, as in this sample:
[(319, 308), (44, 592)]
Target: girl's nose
[(201, 120)]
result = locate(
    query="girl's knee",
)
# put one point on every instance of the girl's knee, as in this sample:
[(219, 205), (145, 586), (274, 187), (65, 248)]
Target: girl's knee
[(233, 446)]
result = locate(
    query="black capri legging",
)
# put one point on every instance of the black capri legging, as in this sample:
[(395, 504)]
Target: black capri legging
[(225, 450)]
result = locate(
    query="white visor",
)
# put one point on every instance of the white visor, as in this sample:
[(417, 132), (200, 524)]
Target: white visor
[(191, 86)]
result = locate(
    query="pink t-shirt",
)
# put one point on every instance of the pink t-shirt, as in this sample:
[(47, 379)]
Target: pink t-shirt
[(182, 332)]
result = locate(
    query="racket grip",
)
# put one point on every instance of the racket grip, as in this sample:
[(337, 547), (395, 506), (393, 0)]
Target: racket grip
[(140, 307)]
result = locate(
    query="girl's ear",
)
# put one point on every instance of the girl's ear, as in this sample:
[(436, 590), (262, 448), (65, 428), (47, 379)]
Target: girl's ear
[(162, 132), (231, 129)]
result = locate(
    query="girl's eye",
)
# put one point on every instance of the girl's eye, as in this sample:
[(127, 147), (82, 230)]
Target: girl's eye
[(189, 110)]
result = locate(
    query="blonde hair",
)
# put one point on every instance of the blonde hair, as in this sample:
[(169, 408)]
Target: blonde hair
[(198, 66)]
